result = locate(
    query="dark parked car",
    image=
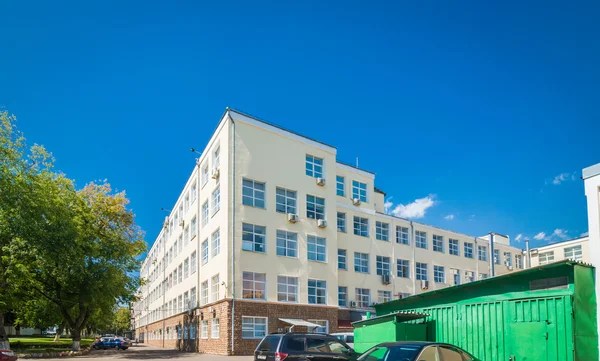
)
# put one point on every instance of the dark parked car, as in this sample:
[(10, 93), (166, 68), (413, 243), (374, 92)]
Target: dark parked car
[(8, 355), (111, 342), (416, 351), (296, 346)]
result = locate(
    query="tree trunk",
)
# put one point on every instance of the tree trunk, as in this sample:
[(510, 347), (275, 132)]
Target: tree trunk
[(17, 331), (76, 334), (59, 331), (4, 344)]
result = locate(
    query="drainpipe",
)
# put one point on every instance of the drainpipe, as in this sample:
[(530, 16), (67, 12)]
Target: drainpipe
[(232, 236), (414, 265), (527, 254), (492, 263)]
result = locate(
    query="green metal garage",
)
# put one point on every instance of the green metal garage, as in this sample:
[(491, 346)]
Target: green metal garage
[(546, 313)]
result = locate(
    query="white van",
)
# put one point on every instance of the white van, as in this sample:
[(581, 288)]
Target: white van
[(347, 337)]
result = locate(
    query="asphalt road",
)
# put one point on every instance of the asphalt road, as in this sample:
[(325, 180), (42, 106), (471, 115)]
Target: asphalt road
[(144, 352)]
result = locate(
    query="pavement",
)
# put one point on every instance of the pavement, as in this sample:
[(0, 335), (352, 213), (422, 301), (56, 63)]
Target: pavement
[(150, 353)]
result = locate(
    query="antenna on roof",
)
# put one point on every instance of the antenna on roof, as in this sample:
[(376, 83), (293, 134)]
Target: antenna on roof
[(356, 162)]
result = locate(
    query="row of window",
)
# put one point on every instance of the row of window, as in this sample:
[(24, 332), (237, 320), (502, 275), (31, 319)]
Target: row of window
[(314, 168), (257, 327), (215, 292), (574, 253)]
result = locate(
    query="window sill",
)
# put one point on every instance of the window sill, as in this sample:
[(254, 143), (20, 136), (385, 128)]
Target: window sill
[(317, 261), (253, 206), (259, 252), (383, 240), (290, 257)]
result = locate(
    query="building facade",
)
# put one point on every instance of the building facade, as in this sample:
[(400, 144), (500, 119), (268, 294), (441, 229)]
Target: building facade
[(591, 178), (271, 226), (577, 249)]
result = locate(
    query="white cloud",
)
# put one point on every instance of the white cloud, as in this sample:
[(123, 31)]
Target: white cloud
[(560, 233), (540, 236), (416, 209), (584, 234), (519, 237), (449, 217), (563, 177), (387, 206)]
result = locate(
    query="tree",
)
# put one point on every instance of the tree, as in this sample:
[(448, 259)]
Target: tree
[(122, 320)]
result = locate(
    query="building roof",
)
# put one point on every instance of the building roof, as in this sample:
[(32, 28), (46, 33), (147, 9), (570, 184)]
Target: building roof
[(377, 190), (591, 171)]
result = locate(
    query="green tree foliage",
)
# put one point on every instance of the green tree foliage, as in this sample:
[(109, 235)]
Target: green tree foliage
[(122, 320)]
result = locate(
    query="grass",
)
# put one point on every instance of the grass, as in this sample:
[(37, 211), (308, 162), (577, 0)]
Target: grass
[(44, 344)]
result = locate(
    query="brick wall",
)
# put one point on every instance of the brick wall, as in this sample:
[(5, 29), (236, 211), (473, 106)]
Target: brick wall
[(221, 345)]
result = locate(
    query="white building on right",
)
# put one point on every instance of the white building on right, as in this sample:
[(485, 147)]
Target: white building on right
[(577, 249), (591, 178)]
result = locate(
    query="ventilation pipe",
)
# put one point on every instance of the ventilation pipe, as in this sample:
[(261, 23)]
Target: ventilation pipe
[(528, 254)]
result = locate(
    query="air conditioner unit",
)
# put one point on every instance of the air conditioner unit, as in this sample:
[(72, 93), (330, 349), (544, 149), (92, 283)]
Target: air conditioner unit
[(292, 218), (424, 284), (320, 181), (215, 173), (322, 223), (352, 304), (182, 223), (166, 223), (356, 202), (510, 268), (386, 279)]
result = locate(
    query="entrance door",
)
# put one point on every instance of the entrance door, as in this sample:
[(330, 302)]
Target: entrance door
[(528, 342)]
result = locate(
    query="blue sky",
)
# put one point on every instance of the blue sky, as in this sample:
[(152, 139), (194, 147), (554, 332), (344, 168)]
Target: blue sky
[(482, 113)]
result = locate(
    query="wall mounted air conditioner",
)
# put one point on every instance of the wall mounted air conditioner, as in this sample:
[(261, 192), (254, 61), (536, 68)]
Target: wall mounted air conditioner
[(424, 284), (216, 173), (356, 202), (292, 218), (320, 181), (322, 223)]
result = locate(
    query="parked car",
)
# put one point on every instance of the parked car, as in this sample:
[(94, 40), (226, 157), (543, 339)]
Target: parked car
[(299, 346), (8, 355), (416, 351), (111, 342), (347, 337)]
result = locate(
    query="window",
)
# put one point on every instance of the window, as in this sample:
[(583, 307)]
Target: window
[(285, 201), (519, 261), (438, 243), (317, 292), (204, 329), (497, 256), (216, 200), (217, 157), (204, 252), (193, 297), (340, 186), (186, 268), (254, 285), (453, 247), (573, 253), (214, 328), (546, 257), (382, 231), (469, 276), (180, 303), (402, 235), (287, 289), (421, 239), (403, 268), (361, 226), (216, 243), (186, 301), (468, 250), (342, 296), (317, 248), (194, 191), (194, 228), (204, 292), (205, 174), (363, 297), (314, 166), (483, 276), (186, 202), (205, 214), (180, 273), (186, 234), (508, 259), (254, 238), (439, 274), (383, 265), (456, 276), (359, 191), (315, 207), (322, 329), (384, 296), (193, 262), (215, 288), (421, 271), (253, 193), (287, 244), (341, 222), (342, 259), (254, 327), (361, 262), (483, 253)]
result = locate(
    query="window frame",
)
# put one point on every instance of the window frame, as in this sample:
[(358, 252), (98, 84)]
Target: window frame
[(421, 240), (254, 281), (342, 254), (255, 235), (404, 265), (285, 200), (283, 242), (254, 199), (340, 186), (315, 210), (318, 285), (421, 273), (360, 191), (402, 235), (311, 165), (319, 250), (286, 296), (469, 250), (361, 228), (362, 266), (382, 231), (380, 265), (255, 335)]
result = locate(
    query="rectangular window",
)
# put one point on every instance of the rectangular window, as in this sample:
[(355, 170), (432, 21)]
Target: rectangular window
[(453, 247), (384, 296), (194, 227), (545, 258), (204, 252), (217, 158), (317, 292), (180, 273), (483, 276), (194, 191), (359, 191), (254, 327), (186, 202), (254, 286), (216, 243), (205, 174), (382, 231), (253, 193), (342, 296), (193, 262), (204, 292), (215, 288), (574, 253), (186, 235), (324, 326), (340, 186), (287, 289), (402, 235), (361, 262), (456, 276), (314, 166), (361, 226), (315, 207), (421, 271), (204, 329), (341, 222), (508, 259), (469, 276), (254, 238), (342, 259), (438, 243), (439, 274), (186, 301), (519, 261), (287, 244), (497, 256), (214, 328), (421, 239), (216, 200), (483, 253), (186, 268), (317, 248), (383, 265), (285, 201), (205, 214), (363, 297), (469, 250), (403, 268)]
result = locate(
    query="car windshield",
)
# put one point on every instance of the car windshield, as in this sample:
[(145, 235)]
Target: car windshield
[(391, 353)]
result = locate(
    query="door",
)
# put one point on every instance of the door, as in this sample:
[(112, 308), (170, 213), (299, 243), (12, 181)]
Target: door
[(528, 341)]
